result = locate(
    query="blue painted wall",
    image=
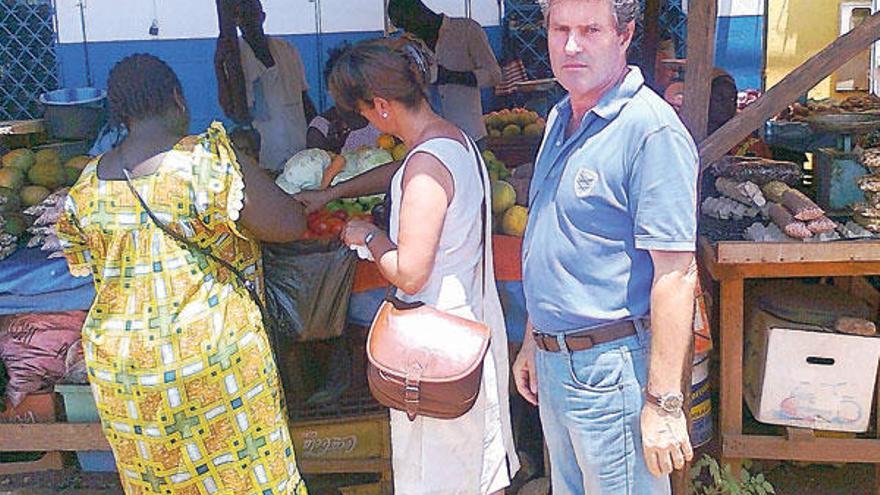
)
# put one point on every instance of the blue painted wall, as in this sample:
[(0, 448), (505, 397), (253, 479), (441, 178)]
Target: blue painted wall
[(193, 61), (739, 49)]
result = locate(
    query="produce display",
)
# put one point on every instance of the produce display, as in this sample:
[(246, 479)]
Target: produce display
[(509, 195), (28, 179), (799, 112), (867, 214), (514, 122)]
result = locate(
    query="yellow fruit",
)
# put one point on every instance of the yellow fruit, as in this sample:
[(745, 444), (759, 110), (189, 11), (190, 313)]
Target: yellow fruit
[(399, 152), (514, 221), (14, 223), (511, 130), (33, 195), (47, 174), (386, 142), (494, 121), (78, 162), (48, 156), (503, 196), (494, 133), (534, 130), (11, 178), (22, 159)]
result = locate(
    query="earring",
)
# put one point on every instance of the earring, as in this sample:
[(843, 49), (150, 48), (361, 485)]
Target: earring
[(384, 115)]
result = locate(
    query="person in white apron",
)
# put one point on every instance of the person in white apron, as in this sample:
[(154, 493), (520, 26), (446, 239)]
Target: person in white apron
[(277, 91)]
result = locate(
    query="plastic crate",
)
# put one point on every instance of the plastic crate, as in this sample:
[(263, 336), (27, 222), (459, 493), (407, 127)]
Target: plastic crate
[(80, 407)]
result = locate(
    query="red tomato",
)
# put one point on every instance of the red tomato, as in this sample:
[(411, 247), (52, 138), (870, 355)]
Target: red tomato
[(334, 226), (340, 214)]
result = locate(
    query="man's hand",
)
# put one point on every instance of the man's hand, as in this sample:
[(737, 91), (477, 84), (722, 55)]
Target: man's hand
[(665, 440), (314, 200), (524, 370)]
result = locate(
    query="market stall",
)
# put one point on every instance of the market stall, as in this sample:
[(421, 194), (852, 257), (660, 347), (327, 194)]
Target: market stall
[(759, 224)]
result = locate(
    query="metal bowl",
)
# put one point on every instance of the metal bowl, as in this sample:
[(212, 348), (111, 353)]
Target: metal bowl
[(845, 123), (74, 113)]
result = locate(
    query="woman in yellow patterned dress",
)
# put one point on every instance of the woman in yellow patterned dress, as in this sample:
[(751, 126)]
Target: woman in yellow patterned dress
[(178, 359)]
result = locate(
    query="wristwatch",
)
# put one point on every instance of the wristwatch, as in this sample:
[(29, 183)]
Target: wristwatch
[(669, 403), (369, 237)]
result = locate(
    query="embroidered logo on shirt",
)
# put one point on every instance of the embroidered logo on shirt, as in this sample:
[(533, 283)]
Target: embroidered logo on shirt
[(584, 182)]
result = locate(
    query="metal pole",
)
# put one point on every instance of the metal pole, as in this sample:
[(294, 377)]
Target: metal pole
[(82, 20)]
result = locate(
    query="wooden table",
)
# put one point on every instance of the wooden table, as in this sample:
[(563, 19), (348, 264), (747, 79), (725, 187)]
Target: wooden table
[(730, 264)]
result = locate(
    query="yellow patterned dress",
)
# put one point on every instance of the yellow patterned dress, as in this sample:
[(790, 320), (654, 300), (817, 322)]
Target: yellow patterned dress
[(179, 362)]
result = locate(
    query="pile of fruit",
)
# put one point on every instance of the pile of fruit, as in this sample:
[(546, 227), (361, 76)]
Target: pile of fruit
[(329, 222), (392, 145), (510, 195), (27, 179), (513, 123)]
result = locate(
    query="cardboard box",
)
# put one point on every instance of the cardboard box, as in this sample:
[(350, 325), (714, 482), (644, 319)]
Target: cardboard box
[(809, 379)]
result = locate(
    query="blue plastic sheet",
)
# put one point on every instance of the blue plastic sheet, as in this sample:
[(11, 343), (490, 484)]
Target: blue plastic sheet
[(32, 283)]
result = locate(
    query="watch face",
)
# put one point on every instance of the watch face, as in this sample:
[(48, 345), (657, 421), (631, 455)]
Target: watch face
[(672, 402)]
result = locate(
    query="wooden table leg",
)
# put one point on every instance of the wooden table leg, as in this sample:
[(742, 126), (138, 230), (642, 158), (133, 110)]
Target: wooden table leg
[(731, 364)]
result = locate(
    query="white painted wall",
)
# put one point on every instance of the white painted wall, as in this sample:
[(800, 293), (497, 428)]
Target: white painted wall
[(118, 20), (731, 8)]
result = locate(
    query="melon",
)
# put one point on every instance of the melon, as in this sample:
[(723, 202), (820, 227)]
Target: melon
[(21, 159), (514, 221), (33, 195), (534, 130), (78, 162), (511, 130), (9, 201), (503, 196), (47, 174), (11, 178), (48, 155), (14, 223)]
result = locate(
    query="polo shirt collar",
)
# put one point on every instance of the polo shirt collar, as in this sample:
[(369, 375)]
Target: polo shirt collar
[(615, 99)]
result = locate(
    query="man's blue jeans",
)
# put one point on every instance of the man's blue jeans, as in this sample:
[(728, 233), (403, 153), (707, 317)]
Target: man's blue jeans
[(591, 403)]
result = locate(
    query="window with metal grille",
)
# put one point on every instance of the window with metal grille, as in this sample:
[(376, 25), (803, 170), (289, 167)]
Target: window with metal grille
[(28, 63)]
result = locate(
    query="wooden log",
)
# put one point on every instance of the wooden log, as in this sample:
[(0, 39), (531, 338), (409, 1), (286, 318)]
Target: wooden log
[(650, 40), (698, 71), (798, 82)]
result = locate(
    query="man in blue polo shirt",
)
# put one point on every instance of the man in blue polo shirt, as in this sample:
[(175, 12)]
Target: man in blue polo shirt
[(608, 264)]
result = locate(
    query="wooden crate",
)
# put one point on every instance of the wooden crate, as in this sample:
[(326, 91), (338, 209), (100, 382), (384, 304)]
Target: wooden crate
[(354, 444)]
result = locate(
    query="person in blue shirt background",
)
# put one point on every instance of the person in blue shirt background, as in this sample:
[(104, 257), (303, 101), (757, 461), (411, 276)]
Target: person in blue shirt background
[(608, 264)]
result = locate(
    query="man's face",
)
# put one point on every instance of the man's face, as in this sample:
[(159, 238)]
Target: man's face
[(586, 51), (249, 16)]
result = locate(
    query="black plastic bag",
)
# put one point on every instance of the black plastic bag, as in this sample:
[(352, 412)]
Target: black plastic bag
[(308, 285)]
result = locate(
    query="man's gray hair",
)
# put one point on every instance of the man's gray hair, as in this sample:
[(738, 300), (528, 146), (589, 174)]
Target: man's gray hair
[(624, 11)]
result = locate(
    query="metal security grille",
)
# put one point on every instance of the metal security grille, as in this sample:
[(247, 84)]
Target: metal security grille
[(28, 63)]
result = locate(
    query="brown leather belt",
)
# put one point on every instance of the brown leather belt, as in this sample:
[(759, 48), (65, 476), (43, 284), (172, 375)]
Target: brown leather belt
[(586, 339)]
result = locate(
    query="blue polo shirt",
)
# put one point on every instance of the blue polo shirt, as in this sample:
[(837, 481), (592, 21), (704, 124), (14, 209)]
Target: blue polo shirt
[(623, 184)]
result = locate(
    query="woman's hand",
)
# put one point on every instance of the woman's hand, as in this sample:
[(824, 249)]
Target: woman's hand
[(314, 200), (355, 232)]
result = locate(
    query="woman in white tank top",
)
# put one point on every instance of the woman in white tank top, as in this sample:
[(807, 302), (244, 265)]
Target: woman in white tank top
[(434, 254)]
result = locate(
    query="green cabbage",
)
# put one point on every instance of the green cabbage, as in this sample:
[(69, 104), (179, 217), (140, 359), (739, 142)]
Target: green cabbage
[(362, 160), (303, 171)]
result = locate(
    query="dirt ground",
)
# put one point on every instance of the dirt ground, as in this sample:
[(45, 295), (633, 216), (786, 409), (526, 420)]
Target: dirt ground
[(788, 479)]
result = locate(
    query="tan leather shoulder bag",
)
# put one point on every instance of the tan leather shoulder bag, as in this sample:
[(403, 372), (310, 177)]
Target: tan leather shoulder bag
[(424, 361)]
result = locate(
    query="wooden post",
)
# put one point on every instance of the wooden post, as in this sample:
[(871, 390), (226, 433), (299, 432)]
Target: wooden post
[(650, 40), (700, 63), (799, 81), (732, 293)]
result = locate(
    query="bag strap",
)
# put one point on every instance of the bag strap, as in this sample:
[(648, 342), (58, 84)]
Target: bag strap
[(206, 251), (391, 293)]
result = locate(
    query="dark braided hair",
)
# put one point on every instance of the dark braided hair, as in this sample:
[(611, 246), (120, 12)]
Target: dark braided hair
[(141, 86)]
